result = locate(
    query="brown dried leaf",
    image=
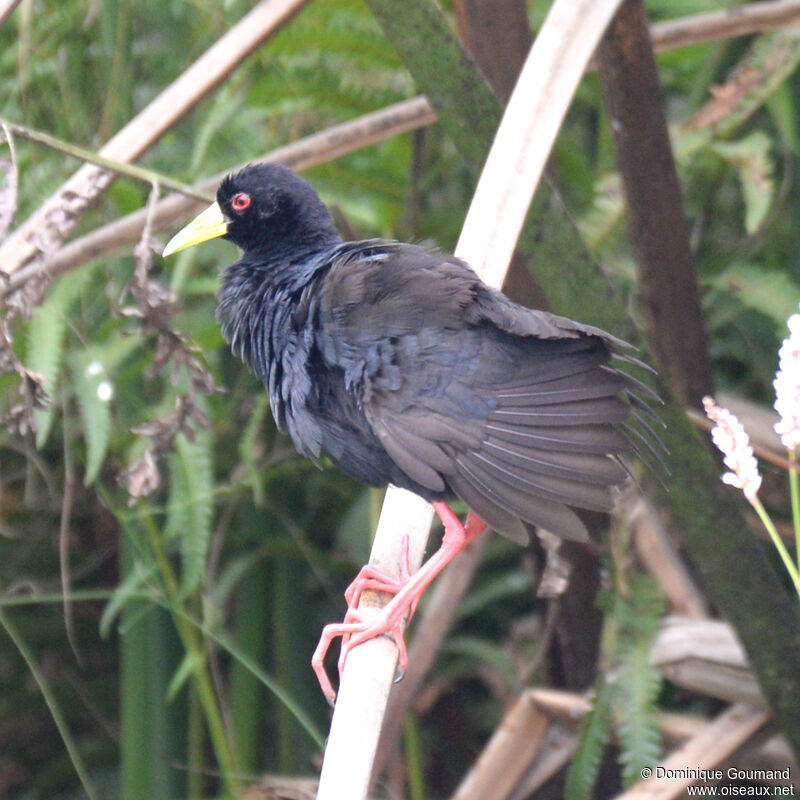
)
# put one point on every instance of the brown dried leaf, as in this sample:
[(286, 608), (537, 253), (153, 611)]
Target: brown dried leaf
[(165, 428), (202, 381), (32, 387), (142, 478), (154, 304), (23, 300), (19, 419)]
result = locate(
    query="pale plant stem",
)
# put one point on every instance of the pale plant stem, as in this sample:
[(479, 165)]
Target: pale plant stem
[(113, 165), (778, 542), (794, 487)]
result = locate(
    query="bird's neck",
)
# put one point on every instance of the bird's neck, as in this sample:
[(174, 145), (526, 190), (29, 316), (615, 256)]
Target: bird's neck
[(258, 291)]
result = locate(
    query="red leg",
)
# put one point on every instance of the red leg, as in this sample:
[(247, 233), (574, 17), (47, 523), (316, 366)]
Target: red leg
[(407, 593)]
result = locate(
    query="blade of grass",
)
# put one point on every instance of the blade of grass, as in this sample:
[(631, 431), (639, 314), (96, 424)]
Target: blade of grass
[(253, 668), (246, 696), (193, 646), (52, 704)]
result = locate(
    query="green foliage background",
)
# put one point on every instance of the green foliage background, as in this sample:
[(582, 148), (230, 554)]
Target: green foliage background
[(207, 598)]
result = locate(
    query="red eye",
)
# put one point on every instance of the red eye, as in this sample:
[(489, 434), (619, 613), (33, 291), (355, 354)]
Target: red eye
[(240, 201)]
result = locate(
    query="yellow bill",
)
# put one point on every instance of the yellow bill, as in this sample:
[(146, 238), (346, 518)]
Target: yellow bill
[(209, 224)]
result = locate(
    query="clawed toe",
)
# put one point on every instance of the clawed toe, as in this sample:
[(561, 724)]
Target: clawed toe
[(355, 630), (407, 590)]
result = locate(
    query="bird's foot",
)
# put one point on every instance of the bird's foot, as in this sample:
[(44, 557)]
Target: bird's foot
[(356, 629), (371, 578), (407, 590)]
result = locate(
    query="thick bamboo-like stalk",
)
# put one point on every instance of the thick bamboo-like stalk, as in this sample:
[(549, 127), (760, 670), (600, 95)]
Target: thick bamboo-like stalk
[(44, 230), (657, 226), (517, 747), (430, 630), (522, 144)]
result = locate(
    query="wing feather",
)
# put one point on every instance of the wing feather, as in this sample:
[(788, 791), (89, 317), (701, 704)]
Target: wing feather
[(583, 494), (520, 413), (591, 467), (531, 508)]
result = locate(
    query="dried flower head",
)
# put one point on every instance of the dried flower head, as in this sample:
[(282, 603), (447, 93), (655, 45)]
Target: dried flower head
[(787, 387), (730, 437)]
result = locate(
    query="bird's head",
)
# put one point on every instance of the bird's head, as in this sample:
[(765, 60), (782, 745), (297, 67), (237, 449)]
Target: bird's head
[(263, 207)]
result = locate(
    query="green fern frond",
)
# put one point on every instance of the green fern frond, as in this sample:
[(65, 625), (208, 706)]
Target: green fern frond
[(191, 505), (593, 737), (468, 651), (45, 342), (637, 683), (641, 611), (178, 517), (638, 731), (248, 447)]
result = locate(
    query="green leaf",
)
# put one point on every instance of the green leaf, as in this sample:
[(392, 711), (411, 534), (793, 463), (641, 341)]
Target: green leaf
[(501, 587), (354, 533), (751, 158), (594, 734), (782, 107), (128, 590), (94, 392), (250, 445), (605, 214), (476, 650), (772, 293), (191, 661)]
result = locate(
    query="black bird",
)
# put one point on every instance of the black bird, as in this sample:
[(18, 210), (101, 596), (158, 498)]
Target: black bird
[(399, 365)]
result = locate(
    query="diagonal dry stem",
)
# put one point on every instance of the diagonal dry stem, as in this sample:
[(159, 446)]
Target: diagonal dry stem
[(303, 154), (767, 15), (7, 8)]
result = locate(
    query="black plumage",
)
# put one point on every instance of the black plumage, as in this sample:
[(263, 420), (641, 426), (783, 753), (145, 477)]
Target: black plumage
[(399, 365)]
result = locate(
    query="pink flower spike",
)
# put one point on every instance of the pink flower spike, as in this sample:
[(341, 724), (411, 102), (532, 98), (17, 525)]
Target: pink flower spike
[(787, 387), (730, 437)]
